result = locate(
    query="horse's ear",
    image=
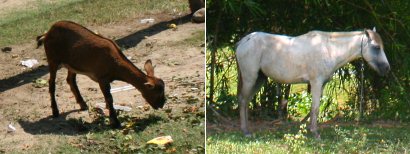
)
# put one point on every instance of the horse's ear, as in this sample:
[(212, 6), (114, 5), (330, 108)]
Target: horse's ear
[(366, 31), (374, 29)]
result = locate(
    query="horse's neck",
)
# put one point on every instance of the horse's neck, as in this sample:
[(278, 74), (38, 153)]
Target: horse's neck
[(353, 50)]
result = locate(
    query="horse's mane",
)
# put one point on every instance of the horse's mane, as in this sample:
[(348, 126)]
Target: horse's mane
[(334, 34)]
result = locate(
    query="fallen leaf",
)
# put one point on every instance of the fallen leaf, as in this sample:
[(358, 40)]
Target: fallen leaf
[(169, 110), (39, 83), (146, 107), (161, 141)]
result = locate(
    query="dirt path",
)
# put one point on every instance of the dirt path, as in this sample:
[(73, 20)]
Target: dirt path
[(179, 63)]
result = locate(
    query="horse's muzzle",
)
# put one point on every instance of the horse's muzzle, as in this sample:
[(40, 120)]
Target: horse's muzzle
[(384, 69)]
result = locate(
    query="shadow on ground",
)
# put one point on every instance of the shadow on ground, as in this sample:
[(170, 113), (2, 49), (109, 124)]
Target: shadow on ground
[(22, 78), (63, 126), (133, 39)]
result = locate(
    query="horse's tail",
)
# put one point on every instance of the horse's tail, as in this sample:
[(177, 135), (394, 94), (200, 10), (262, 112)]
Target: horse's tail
[(243, 40), (240, 82), (40, 40)]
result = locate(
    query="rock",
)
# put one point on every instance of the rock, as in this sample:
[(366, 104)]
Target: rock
[(199, 16)]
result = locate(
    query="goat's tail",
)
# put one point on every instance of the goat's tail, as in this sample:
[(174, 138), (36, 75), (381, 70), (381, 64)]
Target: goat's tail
[(40, 40)]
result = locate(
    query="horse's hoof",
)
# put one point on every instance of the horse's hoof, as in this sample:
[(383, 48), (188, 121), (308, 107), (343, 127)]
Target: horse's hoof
[(317, 136), (247, 134)]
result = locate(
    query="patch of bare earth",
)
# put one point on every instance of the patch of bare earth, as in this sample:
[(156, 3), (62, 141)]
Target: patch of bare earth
[(27, 107)]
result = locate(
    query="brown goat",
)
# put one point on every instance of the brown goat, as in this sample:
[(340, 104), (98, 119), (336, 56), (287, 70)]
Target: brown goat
[(81, 51)]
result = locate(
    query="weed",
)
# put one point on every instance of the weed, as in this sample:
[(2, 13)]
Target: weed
[(296, 141)]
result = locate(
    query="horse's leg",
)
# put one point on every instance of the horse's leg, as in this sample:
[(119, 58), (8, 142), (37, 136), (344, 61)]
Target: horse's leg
[(279, 94), (247, 88), (243, 105), (284, 104), (71, 80), (316, 89)]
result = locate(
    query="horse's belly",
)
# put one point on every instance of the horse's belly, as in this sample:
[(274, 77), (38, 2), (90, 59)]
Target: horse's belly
[(285, 74)]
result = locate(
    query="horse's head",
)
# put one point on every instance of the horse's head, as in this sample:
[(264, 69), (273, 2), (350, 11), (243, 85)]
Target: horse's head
[(373, 52)]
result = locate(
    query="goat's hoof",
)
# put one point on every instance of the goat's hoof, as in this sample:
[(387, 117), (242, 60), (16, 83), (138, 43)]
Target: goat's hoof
[(84, 108), (56, 114), (116, 125)]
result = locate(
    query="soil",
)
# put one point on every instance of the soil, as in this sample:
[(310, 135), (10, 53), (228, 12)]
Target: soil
[(26, 105)]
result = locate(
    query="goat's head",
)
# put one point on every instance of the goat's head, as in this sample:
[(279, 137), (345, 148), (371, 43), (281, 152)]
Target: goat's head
[(154, 88)]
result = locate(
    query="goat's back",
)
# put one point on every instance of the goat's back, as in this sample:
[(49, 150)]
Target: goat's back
[(81, 50)]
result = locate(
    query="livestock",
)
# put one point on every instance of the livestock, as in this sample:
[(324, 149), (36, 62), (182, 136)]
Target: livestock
[(309, 58), (81, 51)]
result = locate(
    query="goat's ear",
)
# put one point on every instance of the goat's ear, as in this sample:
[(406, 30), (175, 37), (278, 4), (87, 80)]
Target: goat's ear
[(374, 29), (149, 68), (149, 85)]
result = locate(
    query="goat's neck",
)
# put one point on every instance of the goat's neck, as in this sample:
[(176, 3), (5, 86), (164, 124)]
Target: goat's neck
[(132, 75)]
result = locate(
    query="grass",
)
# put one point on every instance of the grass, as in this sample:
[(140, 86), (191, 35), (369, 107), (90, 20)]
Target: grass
[(335, 139), (187, 131), (23, 25), (185, 127), (197, 39)]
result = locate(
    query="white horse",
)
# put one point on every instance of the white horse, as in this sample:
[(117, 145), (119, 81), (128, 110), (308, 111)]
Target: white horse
[(310, 58)]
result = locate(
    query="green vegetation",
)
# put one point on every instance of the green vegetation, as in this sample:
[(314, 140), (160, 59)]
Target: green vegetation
[(385, 98), (196, 39), (23, 25), (186, 129), (346, 138)]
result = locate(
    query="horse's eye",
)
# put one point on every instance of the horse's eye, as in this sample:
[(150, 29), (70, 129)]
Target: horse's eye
[(377, 47)]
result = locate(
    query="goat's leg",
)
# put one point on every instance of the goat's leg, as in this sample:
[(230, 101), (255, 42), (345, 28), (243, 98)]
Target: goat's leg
[(52, 88), (71, 80), (316, 89), (105, 88)]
